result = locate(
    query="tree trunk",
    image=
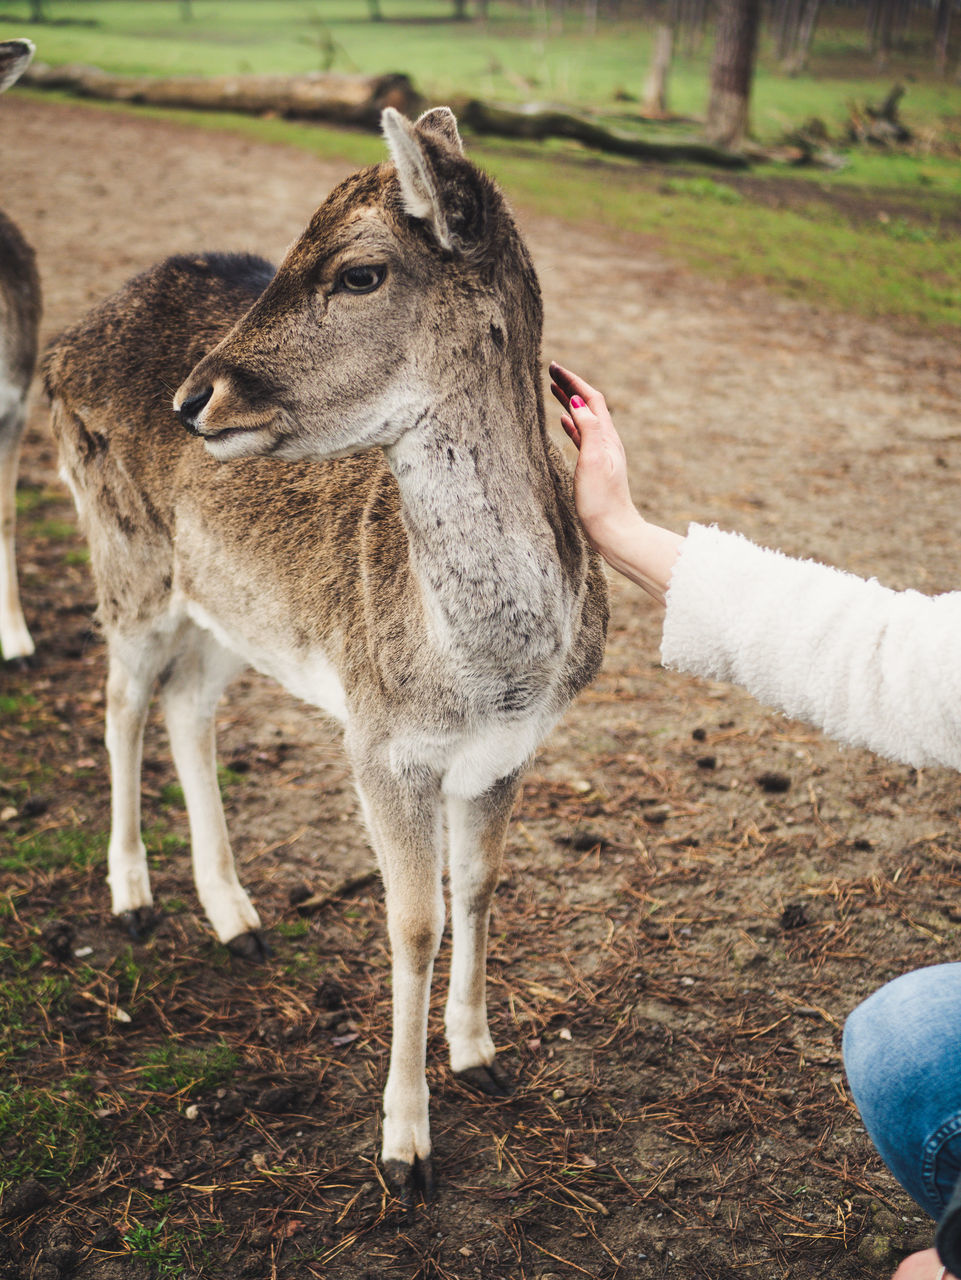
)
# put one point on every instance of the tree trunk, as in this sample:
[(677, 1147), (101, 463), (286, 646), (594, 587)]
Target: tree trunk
[(942, 34), (732, 72), (883, 31), (373, 9), (37, 11), (655, 88), (798, 59), (788, 21), (690, 25)]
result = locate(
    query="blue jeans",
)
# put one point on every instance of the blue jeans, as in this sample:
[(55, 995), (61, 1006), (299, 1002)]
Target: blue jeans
[(902, 1054)]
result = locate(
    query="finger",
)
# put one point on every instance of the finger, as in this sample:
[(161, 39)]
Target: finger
[(560, 395), (573, 383), (568, 424)]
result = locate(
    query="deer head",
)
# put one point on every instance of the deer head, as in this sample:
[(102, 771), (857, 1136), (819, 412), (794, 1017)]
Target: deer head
[(410, 295), (15, 57)]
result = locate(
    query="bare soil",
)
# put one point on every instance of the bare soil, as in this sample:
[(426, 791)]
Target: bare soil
[(697, 891)]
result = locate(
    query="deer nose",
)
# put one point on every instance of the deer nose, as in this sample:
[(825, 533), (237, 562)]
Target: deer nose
[(192, 408)]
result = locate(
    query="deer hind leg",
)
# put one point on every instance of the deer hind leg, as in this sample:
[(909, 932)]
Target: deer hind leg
[(404, 819), (190, 690), (15, 641), (476, 832)]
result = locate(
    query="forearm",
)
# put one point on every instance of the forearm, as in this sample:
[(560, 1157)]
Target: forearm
[(870, 667)]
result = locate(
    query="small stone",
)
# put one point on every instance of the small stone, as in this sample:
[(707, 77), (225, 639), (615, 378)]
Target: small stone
[(564, 1034), (8, 814), (774, 782), (192, 1112), (558, 1095)]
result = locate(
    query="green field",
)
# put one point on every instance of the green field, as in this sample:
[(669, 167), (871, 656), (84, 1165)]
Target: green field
[(881, 237)]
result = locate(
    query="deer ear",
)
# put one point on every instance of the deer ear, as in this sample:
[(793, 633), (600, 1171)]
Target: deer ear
[(418, 182), (443, 122), (15, 57)]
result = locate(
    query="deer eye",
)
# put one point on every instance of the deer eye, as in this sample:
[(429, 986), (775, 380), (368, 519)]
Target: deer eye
[(362, 279)]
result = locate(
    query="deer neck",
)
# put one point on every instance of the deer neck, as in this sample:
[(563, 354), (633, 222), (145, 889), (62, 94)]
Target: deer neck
[(487, 529)]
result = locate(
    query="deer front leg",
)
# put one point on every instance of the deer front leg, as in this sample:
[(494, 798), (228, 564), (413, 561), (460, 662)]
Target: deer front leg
[(403, 816), (15, 639), (191, 690), (476, 833), (132, 669)]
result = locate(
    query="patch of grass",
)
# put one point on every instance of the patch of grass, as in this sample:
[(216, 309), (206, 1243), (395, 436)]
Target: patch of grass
[(13, 706), (53, 850), (291, 928), (160, 1246), (175, 1068), (52, 530), (49, 1133), (31, 498), (24, 991), (702, 189)]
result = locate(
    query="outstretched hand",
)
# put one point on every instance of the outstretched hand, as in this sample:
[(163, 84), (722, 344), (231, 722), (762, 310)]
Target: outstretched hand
[(641, 551), (601, 489)]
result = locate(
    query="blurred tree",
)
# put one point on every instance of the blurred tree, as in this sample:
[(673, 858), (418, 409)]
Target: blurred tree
[(38, 12), (795, 25), (942, 33), (732, 71), (654, 101)]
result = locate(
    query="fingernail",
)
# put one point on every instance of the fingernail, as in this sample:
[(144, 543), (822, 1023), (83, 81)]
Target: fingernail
[(577, 403)]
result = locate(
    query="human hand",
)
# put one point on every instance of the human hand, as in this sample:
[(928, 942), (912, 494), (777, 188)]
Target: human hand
[(922, 1266), (642, 551), (601, 490)]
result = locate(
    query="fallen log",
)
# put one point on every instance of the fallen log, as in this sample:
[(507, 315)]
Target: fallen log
[(338, 99), (359, 100), (537, 123)]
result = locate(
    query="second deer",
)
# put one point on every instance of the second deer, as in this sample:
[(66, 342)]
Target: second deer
[(19, 328), (368, 508)]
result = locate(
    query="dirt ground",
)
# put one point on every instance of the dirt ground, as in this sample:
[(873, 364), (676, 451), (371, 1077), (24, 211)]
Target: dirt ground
[(697, 891)]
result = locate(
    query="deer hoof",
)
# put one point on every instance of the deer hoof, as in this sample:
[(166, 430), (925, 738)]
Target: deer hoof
[(251, 947), (140, 922), (410, 1182), (490, 1080)]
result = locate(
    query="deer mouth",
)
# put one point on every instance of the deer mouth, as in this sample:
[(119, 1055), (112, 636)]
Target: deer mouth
[(241, 441)]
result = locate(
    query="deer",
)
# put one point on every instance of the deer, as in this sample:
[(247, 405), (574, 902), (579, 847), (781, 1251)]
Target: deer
[(20, 308), (355, 492)]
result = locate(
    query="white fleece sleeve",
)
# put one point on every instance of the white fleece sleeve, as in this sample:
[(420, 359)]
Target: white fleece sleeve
[(870, 666)]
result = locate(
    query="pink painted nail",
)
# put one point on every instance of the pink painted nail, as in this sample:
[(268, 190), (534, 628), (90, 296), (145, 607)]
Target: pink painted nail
[(577, 403)]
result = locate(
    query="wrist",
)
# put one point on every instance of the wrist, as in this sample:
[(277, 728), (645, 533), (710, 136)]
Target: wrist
[(643, 552)]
